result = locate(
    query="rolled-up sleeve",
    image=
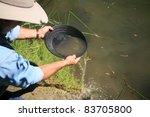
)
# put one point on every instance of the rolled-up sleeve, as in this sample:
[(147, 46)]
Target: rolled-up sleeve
[(16, 70), (13, 33)]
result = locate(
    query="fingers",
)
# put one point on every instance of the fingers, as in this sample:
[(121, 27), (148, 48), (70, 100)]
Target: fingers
[(51, 28), (78, 59), (43, 31), (74, 56), (71, 60)]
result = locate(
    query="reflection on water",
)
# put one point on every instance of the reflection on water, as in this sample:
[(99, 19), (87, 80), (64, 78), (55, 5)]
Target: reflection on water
[(119, 66)]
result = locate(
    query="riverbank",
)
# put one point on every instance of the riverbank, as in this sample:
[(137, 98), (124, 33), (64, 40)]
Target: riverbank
[(44, 93), (56, 91)]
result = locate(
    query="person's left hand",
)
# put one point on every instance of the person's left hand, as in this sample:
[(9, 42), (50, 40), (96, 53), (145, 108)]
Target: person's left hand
[(42, 31), (71, 60)]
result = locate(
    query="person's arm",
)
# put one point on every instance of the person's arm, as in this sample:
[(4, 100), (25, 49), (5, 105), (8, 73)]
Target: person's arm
[(33, 33), (17, 71), (19, 32), (50, 69)]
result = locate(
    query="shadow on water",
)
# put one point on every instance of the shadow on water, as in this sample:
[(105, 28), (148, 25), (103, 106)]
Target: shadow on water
[(118, 59)]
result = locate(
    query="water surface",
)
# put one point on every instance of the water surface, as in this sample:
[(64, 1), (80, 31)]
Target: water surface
[(118, 67)]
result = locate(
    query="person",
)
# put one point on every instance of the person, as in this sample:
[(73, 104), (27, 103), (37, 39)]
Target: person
[(14, 69)]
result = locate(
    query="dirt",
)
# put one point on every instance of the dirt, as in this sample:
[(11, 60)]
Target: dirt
[(45, 91)]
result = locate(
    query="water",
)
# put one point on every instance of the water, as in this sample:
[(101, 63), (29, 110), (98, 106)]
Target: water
[(118, 67), (70, 45)]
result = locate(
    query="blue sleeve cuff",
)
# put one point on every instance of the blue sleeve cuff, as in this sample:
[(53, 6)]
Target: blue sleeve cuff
[(13, 33), (38, 75)]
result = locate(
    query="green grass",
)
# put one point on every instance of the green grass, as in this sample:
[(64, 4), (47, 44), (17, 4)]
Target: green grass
[(35, 51)]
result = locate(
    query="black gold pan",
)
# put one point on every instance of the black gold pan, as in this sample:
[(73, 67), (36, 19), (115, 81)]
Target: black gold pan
[(65, 40)]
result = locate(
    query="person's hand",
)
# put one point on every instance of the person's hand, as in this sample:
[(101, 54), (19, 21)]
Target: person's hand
[(71, 60), (42, 31)]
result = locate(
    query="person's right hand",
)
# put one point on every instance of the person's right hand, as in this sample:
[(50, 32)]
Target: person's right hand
[(71, 60), (42, 31)]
